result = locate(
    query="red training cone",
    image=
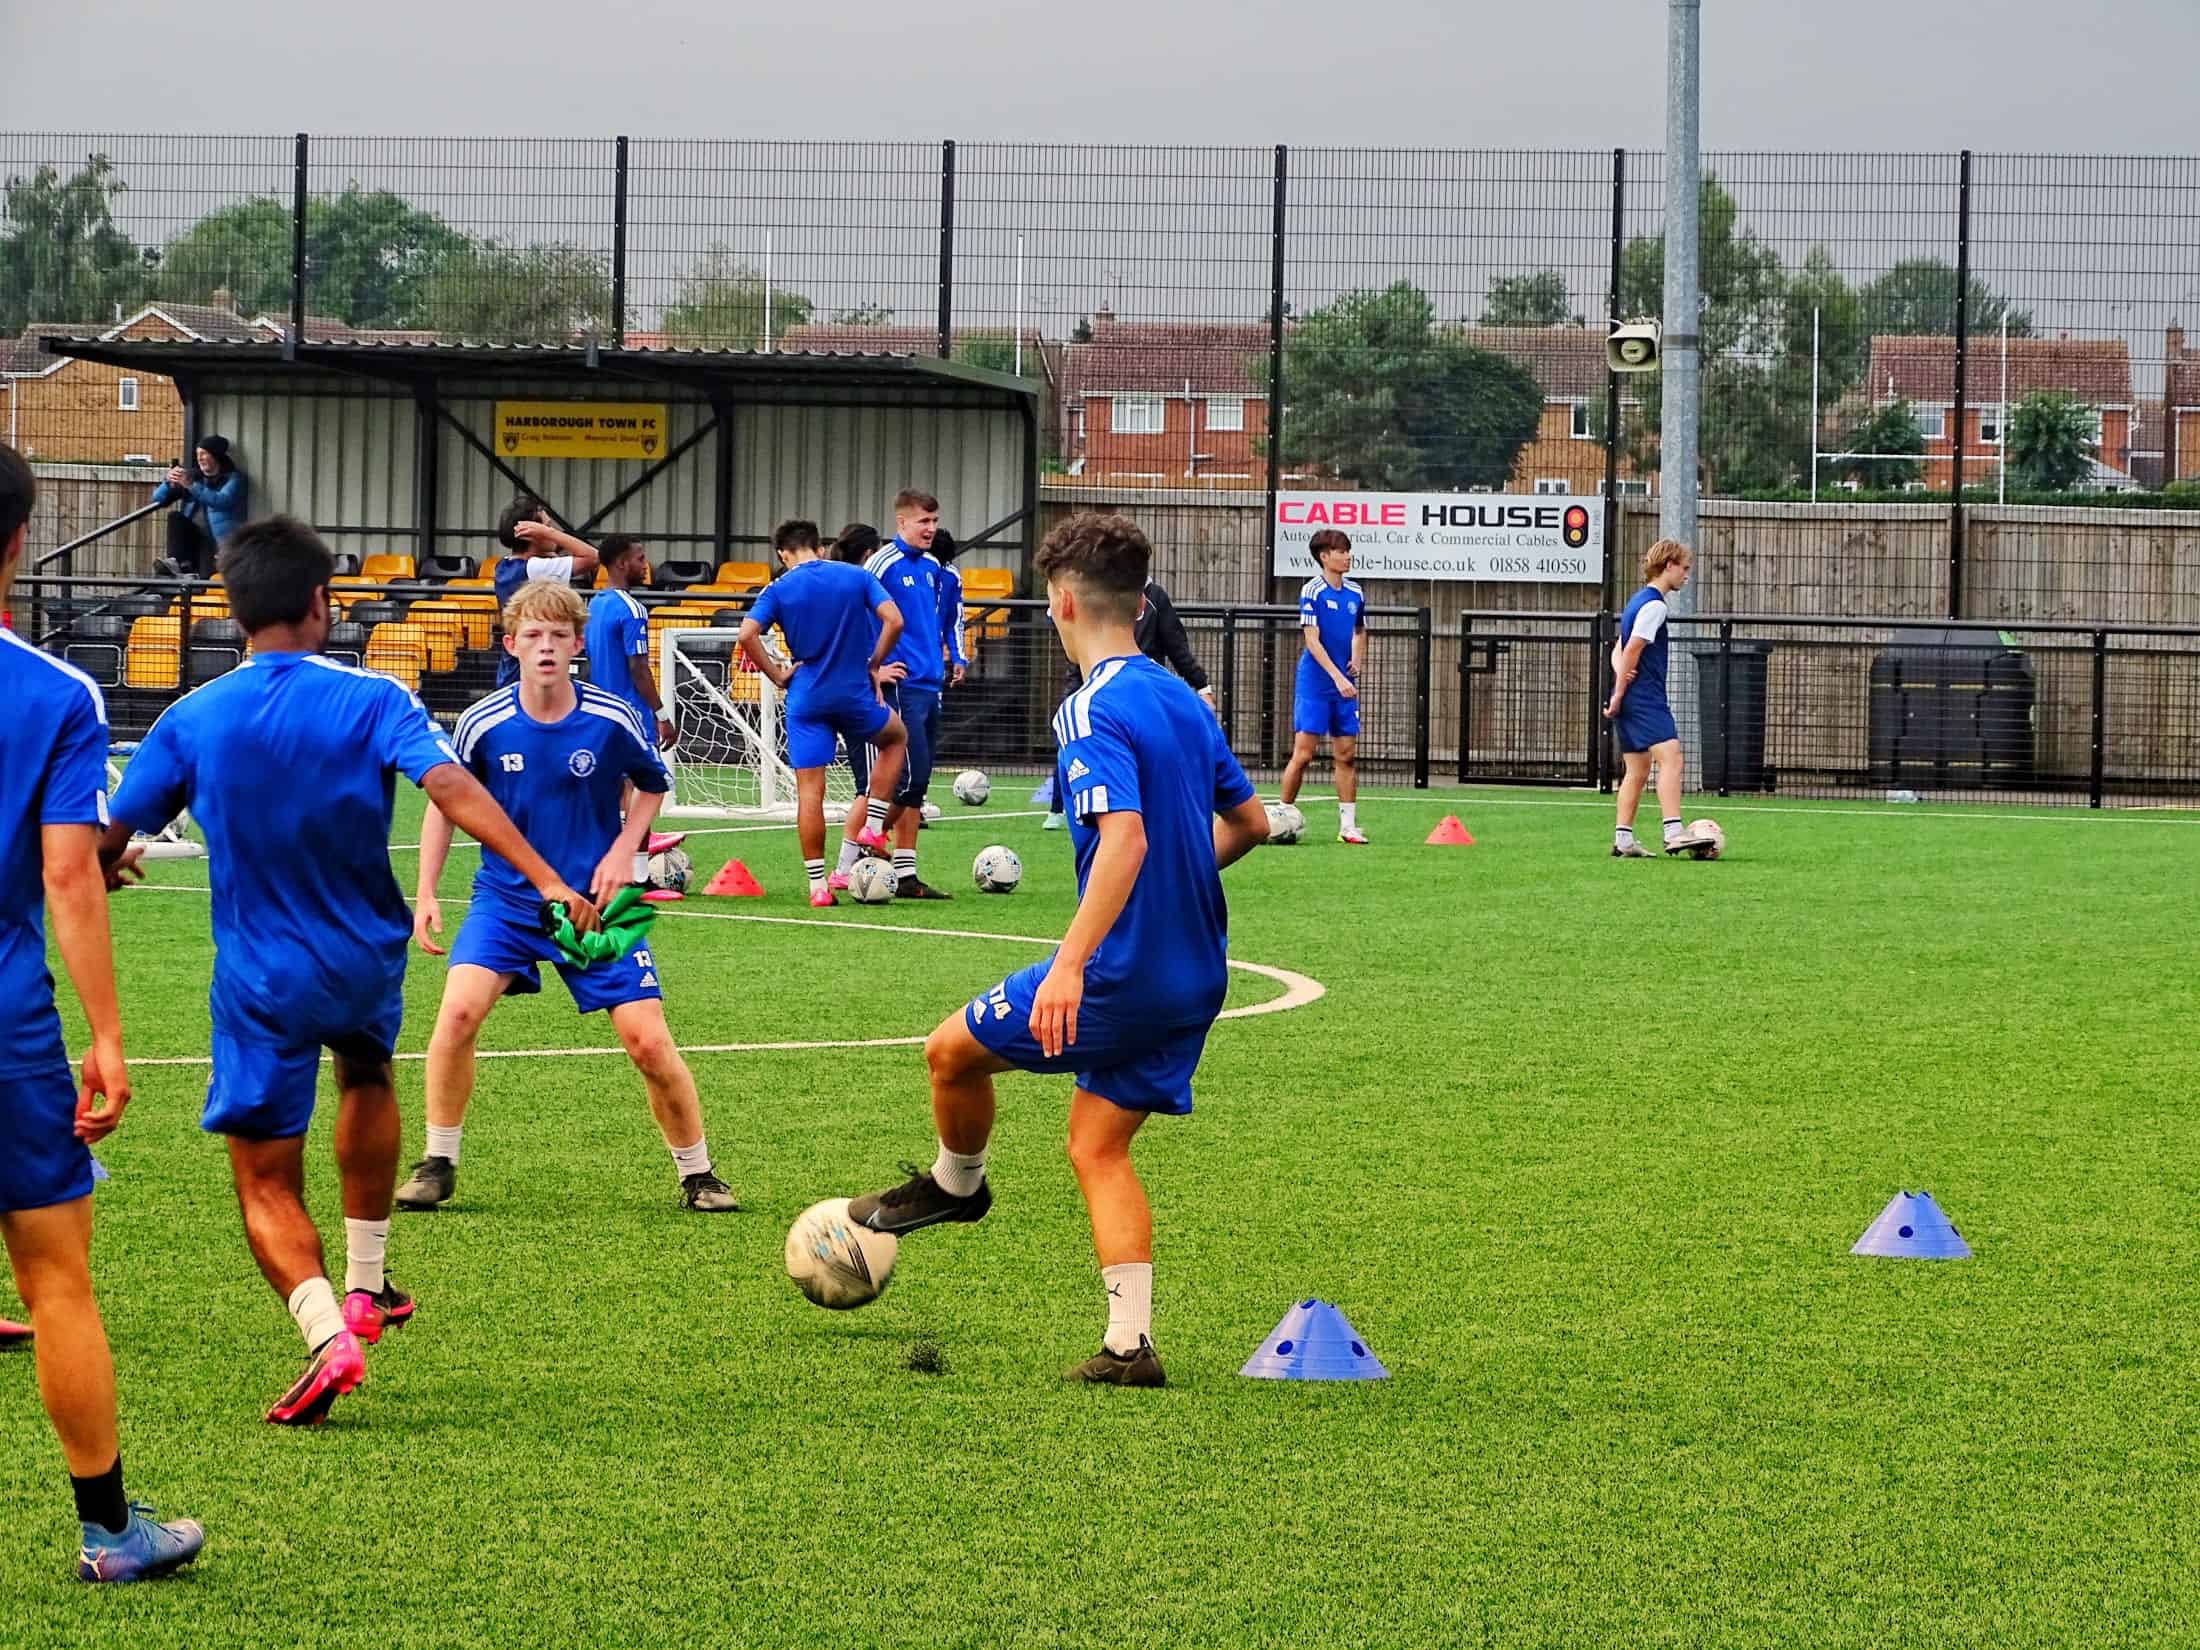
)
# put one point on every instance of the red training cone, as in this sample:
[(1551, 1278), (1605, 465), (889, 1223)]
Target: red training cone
[(733, 878), (1449, 834)]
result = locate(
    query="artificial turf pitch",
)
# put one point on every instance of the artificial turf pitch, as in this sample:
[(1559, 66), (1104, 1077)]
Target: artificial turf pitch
[(1579, 1145)]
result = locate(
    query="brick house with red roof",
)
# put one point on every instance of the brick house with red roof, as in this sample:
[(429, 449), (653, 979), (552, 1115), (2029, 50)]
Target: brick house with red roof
[(1921, 370), (1166, 403)]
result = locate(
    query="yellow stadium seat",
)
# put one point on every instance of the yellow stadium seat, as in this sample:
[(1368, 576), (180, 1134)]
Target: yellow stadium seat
[(397, 651), (741, 575), (442, 629), (990, 584), (382, 569), (468, 621), (153, 657)]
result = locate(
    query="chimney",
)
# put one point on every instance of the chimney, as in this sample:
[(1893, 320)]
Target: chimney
[(222, 298), (2173, 343)]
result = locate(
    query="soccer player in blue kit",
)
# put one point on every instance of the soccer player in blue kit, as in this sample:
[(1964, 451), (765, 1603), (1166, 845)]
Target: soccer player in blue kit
[(536, 548), (1158, 807), (617, 644), (1326, 700), (931, 654), (1638, 710), (53, 805), (841, 628), (286, 763), (556, 754)]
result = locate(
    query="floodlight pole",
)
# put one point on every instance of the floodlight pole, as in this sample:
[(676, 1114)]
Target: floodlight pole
[(1678, 359)]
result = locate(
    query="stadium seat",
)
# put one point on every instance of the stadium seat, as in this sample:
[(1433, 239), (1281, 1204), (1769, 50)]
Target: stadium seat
[(443, 569), (217, 645), (440, 635), (347, 564), (95, 644), (374, 612), (742, 576), (383, 569), (678, 575), (728, 618), (475, 618), (347, 644), (141, 606), (397, 651), (478, 581), (992, 584), (154, 656)]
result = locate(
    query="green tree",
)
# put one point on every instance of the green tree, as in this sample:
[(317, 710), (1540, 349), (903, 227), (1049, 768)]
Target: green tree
[(547, 293), (2050, 442), (1739, 279), (1817, 292), (1380, 394), (370, 256), (1889, 429), (996, 351), (1537, 300), (863, 315), (721, 303), (62, 257), (1917, 298)]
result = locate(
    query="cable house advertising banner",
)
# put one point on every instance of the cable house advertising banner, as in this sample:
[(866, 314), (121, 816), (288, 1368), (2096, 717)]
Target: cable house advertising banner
[(1532, 537)]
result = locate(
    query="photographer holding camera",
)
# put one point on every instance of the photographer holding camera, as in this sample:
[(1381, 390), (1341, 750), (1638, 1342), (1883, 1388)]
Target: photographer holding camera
[(213, 507)]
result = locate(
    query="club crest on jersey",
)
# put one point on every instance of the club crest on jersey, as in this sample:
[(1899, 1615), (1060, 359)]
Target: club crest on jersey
[(582, 763)]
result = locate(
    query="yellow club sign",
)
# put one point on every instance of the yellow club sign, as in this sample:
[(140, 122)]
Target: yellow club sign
[(581, 429)]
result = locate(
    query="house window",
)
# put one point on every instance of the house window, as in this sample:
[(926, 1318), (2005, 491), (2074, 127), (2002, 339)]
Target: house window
[(1226, 412), (1552, 484), (1634, 489), (1932, 423), (137, 458), (1136, 415), (128, 391), (2096, 426), (1989, 426), (1581, 430)]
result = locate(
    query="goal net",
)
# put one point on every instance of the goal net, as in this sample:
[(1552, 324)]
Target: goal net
[(730, 756)]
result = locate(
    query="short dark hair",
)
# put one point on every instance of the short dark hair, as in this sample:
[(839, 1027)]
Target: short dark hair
[(18, 492), (1327, 539), (271, 568), (917, 499), (617, 545), (858, 542), (524, 507), (944, 547), (795, 534), (1108, 557)]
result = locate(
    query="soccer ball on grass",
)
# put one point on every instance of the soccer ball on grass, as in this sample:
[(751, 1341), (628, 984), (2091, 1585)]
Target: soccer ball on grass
[(835, 1262), (1710, 840), (671, 870), (997, 870), (972, 788), (872, 882), (1285, 823)]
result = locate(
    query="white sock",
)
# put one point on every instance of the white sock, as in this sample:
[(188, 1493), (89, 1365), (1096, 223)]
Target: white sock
[(366, 1242), (1130, 1304), (875, 813), (313, 1307), (1622, 835), (1348, 815), (641, 865), (959, 1173), (905, 864), (814, 869), (1672, 829), (443, 1143), (693, 1159), (850, 852)]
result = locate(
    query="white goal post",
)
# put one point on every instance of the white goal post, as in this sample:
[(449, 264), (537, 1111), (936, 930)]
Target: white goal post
[(729, 755)]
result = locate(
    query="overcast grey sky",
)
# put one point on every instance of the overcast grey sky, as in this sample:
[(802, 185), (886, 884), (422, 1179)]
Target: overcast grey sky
[(1779, 74)]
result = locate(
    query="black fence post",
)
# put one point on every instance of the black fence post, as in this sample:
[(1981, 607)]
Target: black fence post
[(1229, 678), (299, 170), (947, 248), (1267, 692), (1963, 359), (1726, 703), (2097, 781), (183, 637), (1592, 738), (1611, 390), (1466, 695), (618, 246), (1603, 626), (1274, 433), (1424, 664)]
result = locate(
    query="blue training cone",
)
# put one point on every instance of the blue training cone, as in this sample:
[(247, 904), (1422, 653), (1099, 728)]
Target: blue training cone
[(1314, 1343), (1043, 797), (1912, 1227)]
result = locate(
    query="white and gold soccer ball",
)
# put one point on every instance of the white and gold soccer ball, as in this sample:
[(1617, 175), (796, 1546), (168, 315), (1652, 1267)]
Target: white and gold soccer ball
[(997, 870), (1710, 840), (835, 1262), (1285, 823), (972, 788), (872, 882), (671, 869)]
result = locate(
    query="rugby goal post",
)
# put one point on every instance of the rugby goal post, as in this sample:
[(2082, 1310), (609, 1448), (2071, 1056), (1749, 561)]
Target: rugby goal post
[(729, 754), (173, 840)]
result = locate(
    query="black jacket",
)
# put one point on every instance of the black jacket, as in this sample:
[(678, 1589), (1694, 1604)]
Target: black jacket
[(1161, 637)]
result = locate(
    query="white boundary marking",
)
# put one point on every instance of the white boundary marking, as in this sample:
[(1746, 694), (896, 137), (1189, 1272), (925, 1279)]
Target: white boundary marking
[(1299, 989), (971, 818), (2130, 814)]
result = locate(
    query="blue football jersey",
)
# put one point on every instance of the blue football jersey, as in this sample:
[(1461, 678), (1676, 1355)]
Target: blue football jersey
[(53, 771), (1644, 616), (617, 635), (1335, 615), (559, 781), (511, 571), (828, 611), (919, 586), (287, 764), (1135, 739)]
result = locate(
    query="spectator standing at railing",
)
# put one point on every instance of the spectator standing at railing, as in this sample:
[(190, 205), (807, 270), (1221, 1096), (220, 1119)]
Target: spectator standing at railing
[(215, 498)]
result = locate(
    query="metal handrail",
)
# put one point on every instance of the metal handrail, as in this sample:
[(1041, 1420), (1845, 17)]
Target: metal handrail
[(98, 533)]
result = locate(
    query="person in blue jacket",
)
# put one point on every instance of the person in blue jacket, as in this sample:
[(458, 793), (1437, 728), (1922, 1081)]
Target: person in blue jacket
[(214, 504)]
